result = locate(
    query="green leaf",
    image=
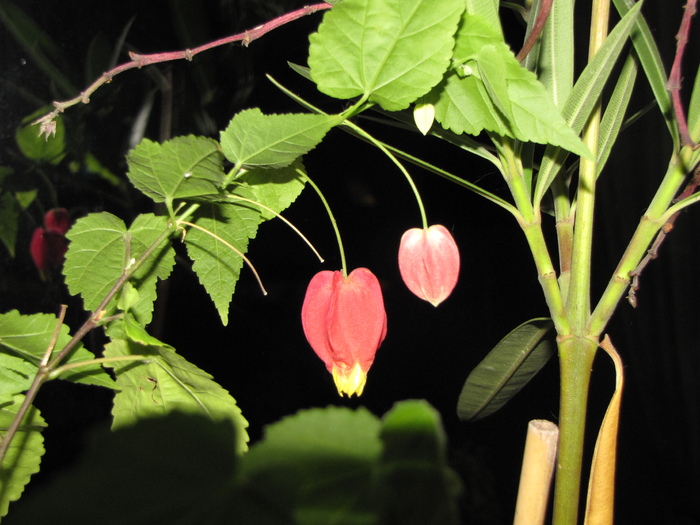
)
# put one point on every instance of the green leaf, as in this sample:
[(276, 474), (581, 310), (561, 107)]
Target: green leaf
[(615, 111), (389, 51), (253, 139), (168, 383), (39, 148), (24, 454), (235, 222), (491, 91), (512, 363), (694, 110), (179, 168), (418, 486), (584, 96), (217, 265), (102, 249), (650, 59), (314, 467), (176, 469), (27, 337)]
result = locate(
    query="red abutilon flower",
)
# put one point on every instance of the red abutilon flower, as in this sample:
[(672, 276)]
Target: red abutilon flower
[(345, 322), (429, 262), (49, 245)]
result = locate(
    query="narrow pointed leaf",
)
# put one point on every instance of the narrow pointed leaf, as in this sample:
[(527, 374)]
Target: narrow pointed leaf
[(615, 111), (694, 110), (391, 51), (24, 455), (168, 383), (23, 341), (584, 96), (179, 168), (253, 139), (650, 59), (512, 363)]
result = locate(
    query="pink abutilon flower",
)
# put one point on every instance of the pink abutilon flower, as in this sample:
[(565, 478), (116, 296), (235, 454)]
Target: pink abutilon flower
[(345, 322), (429, 262)]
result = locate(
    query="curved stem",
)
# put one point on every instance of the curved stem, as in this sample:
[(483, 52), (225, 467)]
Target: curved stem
[(332, 218), (379, 145)]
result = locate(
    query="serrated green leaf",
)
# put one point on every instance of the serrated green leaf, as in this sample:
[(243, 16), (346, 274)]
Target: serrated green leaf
[(275, 189), (315, 468), (512, 363), (491, 91), (179, 168), (235, 222), (39, 148), (176, 469), (391, 51), (16, 373), (24, 455), (28, 336), (253, 139), (419, 487), (102, 248), (167, 383), (217, 265)]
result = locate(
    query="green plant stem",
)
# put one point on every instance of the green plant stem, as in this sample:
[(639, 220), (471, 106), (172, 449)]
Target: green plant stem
[(575, 360), (576, 353), (334, 223), (656, 216), (378, 144)]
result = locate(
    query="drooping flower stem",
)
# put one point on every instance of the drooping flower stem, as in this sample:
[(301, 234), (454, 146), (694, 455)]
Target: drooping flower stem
[(398, 164), (334, 223)]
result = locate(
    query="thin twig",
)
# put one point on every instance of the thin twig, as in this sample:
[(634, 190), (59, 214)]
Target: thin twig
[(674, 80), (653, 252), (538, 26), (47, 124)]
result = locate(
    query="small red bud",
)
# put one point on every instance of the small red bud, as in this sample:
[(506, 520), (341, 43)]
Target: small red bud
[(429, 262), (57, 220), (345, 322)]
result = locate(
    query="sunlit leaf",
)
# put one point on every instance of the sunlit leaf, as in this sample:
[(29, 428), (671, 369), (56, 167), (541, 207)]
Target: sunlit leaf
[(392, 51), (231, 221), (512, 363), (491, 91), (253, 139), (179, 168), (24, 455), (167, 383), (25, 338), (102, 248)]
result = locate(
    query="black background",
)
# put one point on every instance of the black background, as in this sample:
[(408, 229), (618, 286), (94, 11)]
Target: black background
[(262, 358)]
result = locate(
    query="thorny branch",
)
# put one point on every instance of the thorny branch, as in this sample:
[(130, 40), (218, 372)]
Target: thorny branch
[(674, 80), (653, 252), (47, 123)]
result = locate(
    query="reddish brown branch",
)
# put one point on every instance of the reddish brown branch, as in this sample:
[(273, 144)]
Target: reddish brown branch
[(47, 124), (674, 80), (537, 27)]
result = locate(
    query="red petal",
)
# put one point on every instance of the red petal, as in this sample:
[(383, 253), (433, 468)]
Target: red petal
[(315, 314), (358, 319)]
